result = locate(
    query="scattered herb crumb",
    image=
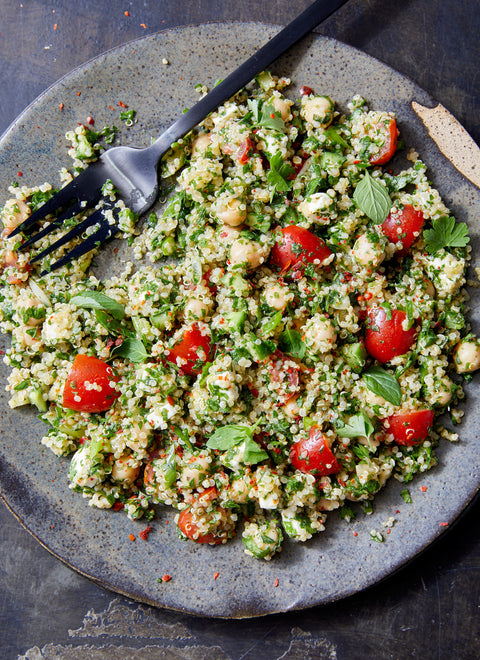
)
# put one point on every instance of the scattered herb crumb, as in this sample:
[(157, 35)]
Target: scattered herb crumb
[(406, 497)]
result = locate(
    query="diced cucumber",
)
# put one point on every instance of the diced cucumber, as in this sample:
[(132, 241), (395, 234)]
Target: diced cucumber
[(36, 399), (355, 356)]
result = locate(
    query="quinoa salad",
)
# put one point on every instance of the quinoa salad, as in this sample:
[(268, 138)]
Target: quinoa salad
[(286, 334)]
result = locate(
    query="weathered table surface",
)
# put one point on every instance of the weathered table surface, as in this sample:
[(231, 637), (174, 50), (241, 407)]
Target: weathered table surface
[(429, 609)]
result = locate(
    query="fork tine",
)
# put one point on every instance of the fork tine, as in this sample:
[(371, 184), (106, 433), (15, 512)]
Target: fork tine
[(103, 233), (92, 219), (62, 197), (84, 187), (69, 213)]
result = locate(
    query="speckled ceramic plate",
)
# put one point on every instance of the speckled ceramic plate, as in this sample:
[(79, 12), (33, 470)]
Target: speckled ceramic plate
[(34, 482)]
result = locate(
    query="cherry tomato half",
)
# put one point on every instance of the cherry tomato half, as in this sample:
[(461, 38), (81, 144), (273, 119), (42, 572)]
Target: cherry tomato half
[(389, 146), (385, 337), (297, 247), (191, 358), (88, 387), (314, 454), (190, 529), (412, 427), (404, 225)]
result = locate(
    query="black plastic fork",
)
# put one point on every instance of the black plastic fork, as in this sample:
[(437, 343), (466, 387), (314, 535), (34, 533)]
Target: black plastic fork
[(133, 171)]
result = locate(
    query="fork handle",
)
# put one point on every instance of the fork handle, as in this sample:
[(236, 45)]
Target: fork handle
[(293, 32)]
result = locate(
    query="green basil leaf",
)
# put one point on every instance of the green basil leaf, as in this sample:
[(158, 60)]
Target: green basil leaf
[(113, 325), (132, 349), (253, 452), (229, 436), (98, 300), (291, 343), (373, 199), (358, 426), (384, 384)]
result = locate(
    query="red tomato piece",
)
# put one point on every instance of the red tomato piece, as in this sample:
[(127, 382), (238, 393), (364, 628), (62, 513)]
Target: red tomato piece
[(389, 146), (189, 528), (245, 150), (412, 427), (385, 337), (314, 454), (297, 247), (190, 351), (404, 225), (88, 387)]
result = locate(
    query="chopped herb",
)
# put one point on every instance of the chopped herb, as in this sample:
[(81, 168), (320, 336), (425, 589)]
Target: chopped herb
[(445, 233)]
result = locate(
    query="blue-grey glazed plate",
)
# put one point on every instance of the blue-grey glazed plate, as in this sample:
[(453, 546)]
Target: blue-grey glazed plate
[(339, 562)]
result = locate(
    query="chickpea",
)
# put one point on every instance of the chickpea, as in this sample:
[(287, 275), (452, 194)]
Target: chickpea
[(291, 408), (248, 253), (317, 110), (282, 106), (201, 144), (138, 436), (194, 473), (368, 253), (228, 234), (197, 308), (442, 392), (275, 296), (239, 490), (320, 334), (467, 355), (233, 213), (428, 288), (125, 469), (15, 218)]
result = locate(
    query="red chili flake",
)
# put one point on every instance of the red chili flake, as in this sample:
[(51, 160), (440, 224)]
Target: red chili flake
[(166, 578), (127, 13), (19, 173), (397, 511), (368, 295), (110, 107), (272, 115), (78, 93), (388, 530), (444, 524), (61, 106), (355, 533), (215, 575), (118, 506), (143, 25), (131, 537), (423, 489), (122, 105), (305, 91), (144, 533), (275, 584)]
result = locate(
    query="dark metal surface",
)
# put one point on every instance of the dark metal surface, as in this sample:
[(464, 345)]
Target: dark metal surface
[(430, 609)]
